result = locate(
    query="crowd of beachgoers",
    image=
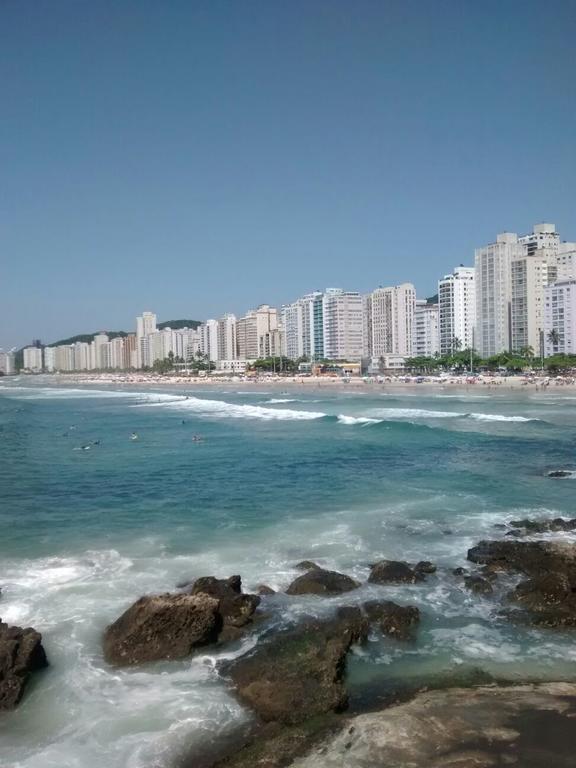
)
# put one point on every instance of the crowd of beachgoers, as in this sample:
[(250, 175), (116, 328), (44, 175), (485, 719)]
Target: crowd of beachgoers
[(489, 381)]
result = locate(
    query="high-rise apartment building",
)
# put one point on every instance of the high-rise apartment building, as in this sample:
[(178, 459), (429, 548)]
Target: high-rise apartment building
[(303, 327), (529, 276), (566, 262), (493, 293), (426, 342), (145, 325), (559, 329), (227, 337), (542, 236), (343, 319), (7, 363), (389, 321), (255, 333), (33, 359), (457, 310)]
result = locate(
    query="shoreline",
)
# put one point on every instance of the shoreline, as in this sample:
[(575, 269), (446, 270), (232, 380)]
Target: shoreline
[(383, 383)]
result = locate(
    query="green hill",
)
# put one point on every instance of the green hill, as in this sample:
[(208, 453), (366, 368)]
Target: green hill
[(86, 337), (177, 324)]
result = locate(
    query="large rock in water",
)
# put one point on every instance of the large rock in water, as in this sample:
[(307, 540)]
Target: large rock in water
[(544, 526), (317, 581), (530, 557), (528, 726), (298, 673), (394, 620), (394, 572), (162, 627), (548, 597), (235, 607), (21, 654)]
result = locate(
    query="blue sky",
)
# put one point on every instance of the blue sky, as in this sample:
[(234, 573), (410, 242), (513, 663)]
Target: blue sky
[(193, 158)]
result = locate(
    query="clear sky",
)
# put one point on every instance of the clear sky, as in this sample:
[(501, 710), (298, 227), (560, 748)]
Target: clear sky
[(192, 158)]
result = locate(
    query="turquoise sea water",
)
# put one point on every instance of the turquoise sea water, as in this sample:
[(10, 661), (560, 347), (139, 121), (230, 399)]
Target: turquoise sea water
[(343, 478)]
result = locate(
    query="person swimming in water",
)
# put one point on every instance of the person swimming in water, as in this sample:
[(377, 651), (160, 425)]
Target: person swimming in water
[(134, 436)]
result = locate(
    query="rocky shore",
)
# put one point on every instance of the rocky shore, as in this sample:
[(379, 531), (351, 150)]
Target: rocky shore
[(294, 678)]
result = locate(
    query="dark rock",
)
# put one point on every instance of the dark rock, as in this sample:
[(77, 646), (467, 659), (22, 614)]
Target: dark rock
[(307, 565), (549, 599), (274, 745), (394, 572), (21, 654), (478, 585), (515, 532), (489, 572), (541, 592), (560, 473), (394, 620), (425, 566), (529, 557), (235, 608), (298, 674), (162, 627), (264, 589), (459, 572), (544, 526), (321, 582)]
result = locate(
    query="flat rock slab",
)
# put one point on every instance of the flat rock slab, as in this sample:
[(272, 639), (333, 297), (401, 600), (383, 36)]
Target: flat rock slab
[(530, 726)]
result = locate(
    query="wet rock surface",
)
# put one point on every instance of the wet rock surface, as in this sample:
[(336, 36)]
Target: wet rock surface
[(545, 526), (317, 581), (394, 572), (298, 673), (478, 585), (235, 607), (394, 620), (306, 565), (524, 726), (158, 627), (264, 589), (529, 557), (548, 597), (21, 654)]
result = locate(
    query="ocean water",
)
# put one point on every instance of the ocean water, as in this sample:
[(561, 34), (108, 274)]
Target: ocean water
[(342, 478)]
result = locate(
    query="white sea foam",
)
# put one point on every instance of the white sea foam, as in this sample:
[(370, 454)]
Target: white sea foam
[(420, 413), (498, 417), (222, 409), (65, 393), (352, 420), (283, 400), (415, 413)]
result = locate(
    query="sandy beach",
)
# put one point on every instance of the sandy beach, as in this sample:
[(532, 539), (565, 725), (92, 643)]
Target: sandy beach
[(495, 383)]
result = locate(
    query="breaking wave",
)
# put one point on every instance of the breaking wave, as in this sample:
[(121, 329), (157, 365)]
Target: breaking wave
[(352, 420), (222, 409)]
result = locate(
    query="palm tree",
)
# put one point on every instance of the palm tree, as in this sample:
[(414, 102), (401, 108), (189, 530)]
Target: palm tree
[(553, 337), (456, 344), (527, 352)]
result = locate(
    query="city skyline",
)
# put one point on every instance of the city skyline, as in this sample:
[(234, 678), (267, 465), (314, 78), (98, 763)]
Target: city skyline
[(518, 298), (190, 314), (194, 156)]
